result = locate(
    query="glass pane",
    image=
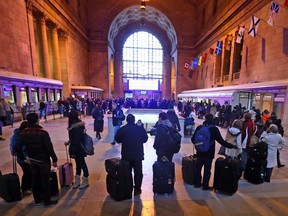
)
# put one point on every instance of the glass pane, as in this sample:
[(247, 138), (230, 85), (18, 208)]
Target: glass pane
[(142, 57)]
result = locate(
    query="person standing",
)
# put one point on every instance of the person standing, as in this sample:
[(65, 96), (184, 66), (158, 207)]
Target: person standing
[(1, 131), (173, 118), (132, 138), (117, 118), (278, 123), (39, 147), (274, 141), (161, 138), (3, 116), (248, 130), (26, 182), (42, 110), (233, 136), (76, 130), (98, 116), (205, 158)]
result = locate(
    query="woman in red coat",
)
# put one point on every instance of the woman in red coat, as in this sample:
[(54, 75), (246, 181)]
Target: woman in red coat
[(248, 130)]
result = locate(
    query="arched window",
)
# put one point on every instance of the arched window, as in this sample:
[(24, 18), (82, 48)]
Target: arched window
[(142, 58)]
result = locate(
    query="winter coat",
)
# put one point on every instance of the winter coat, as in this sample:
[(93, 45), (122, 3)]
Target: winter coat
[(274, 141), (233, 136), (117, 117), (76, 137), (160, 141), (173, 118), (251, 128), (98, 119), (37, 143), (215, 135), (132, 138)]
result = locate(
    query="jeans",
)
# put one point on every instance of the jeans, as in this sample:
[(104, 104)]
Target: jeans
[(26, 182), (42, 113), (116, 128), (81, 165), (268, 174), (41, 181), (244, 158), (207, 163)]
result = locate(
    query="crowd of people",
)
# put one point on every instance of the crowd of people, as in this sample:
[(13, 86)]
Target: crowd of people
[(34, 148)]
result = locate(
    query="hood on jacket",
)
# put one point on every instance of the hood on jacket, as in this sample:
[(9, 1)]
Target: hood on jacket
[(166, 122), (234, 131), (78, 124)]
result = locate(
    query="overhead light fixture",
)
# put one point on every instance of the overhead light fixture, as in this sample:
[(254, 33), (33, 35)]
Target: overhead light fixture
[(143, 5)]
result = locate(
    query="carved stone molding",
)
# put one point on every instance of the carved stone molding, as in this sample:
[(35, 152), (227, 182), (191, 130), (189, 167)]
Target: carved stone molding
[(62, 34), (29, 6)]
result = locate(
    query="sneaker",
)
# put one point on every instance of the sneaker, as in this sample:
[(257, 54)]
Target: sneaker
[(137, 192), (51, 202)]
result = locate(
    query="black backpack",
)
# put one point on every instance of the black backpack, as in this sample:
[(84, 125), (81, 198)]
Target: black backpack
[(173, 139)]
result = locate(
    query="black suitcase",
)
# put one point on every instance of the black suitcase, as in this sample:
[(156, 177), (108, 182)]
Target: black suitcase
[(255, 170), (188, 169), (54, 189), (226, 175), (259, 151), (10, 185), (163, 177), (119, 183)]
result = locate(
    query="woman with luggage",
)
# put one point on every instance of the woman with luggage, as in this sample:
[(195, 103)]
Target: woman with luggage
[(274, 141), (233, 136), (76, 130), (26, 182)]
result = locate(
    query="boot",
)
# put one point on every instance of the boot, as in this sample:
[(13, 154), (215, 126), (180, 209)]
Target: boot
[(84, 183), (76, 182)]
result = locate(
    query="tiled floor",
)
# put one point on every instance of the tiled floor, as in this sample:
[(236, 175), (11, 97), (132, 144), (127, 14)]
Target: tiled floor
[(250, 200)]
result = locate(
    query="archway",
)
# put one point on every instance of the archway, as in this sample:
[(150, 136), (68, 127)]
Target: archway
[(150, 20)]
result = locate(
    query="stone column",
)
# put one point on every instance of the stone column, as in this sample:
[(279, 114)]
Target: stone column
[(46, 62), (285, 110), (55, 51), (29, 7), (63, 40)]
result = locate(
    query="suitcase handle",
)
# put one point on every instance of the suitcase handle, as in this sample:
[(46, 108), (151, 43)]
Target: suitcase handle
[(14, 164), (67, 155)]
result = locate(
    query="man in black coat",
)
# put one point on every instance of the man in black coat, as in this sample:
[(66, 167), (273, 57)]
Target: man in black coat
[(205, 158), (132, 138), (40, 149)]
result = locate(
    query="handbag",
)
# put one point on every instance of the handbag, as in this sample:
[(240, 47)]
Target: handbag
[(88, 145)]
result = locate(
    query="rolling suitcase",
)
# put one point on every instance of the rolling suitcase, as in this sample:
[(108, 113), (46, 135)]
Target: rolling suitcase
[(226, 175), (66, 172), (255, 170), (188, 168), (54, 190), (119, 183), (163, 177), (10, 185), (259, 150)]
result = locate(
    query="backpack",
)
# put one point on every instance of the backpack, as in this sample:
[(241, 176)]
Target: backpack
[(88, 145), (173, 139), (202, 139)]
